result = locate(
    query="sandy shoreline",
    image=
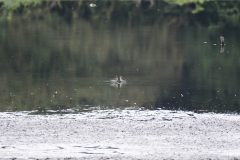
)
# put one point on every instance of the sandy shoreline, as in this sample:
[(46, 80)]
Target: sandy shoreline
[(127, 134)]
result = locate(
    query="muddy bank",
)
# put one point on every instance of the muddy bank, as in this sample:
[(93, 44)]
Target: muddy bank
[(127, 134)]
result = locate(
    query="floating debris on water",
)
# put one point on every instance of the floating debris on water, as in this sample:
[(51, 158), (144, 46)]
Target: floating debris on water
[(92, 5)]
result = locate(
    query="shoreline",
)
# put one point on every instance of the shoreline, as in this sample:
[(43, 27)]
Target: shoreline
[(123, 134)]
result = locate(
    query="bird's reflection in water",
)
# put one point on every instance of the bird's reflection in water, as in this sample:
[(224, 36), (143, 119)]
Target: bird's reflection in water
[(222, 44), (118, 82), (222, 49)]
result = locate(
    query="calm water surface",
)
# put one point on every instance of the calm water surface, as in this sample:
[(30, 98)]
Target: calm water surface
[(54, 64)]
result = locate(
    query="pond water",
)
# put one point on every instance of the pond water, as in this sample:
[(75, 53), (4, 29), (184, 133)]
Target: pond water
[(51, 63)]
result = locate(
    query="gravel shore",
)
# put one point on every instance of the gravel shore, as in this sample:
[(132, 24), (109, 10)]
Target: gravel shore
[(120, 134)]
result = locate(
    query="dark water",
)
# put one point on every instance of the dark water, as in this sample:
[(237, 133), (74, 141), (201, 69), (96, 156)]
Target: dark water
[(50, 63)]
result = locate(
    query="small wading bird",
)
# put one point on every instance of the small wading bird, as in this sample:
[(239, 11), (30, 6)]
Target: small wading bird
[(222, 41)]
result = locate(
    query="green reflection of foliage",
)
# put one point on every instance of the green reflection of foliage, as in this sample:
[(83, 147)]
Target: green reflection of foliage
[(15, 4), (198, 4), (199, 10), (41, 53), (9, 6), (183, 2), (41, 47)]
